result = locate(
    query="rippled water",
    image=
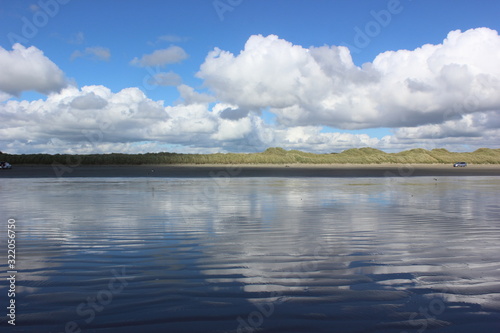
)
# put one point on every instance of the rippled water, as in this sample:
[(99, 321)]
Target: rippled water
[(254, 254)]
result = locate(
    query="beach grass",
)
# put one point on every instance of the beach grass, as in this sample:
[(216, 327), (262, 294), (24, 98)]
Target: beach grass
[(269, 156)]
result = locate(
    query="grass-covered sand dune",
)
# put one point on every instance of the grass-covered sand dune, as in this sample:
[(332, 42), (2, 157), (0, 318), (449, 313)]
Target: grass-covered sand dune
[(270, 156)]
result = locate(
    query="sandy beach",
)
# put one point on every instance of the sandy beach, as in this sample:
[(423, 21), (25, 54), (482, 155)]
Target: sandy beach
[(261, 170)]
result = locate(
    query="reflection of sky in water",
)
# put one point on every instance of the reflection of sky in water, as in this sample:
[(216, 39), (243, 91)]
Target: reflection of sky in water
[(358, 243)]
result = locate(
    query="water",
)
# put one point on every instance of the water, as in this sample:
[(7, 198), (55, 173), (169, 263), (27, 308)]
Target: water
[(254, 254)]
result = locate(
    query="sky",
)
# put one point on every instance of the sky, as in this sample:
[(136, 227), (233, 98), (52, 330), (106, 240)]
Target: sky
[(206, 76)]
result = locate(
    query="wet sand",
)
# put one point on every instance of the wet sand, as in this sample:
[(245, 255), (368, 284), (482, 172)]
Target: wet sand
[(292, 170)]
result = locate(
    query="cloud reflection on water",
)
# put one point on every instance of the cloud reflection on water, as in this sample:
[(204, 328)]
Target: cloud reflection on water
[(304, 241)]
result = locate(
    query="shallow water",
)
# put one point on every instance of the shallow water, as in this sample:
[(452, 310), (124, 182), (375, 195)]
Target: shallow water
[(254, 254)]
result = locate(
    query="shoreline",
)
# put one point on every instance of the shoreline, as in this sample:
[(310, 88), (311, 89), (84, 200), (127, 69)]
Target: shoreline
[(249, 170)]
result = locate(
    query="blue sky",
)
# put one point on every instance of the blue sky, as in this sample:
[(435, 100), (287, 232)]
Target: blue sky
[(93, 43)]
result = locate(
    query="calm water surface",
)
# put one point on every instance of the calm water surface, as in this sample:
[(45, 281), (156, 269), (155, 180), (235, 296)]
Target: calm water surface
[(254, 254)]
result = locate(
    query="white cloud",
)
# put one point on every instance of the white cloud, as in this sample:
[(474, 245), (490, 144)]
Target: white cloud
[(26, 69), (481, 129), (81, 117), (93, 119), (171, 55), (322, 86), (94, 53)]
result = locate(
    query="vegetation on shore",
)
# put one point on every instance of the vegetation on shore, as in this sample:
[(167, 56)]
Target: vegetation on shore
[(270, 156)]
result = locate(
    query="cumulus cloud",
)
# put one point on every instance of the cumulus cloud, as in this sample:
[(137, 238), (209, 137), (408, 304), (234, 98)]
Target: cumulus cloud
[(28, 69), (481, 129), (94, 53), (94, 119), (171, 55), (77, 116), (322, 86)]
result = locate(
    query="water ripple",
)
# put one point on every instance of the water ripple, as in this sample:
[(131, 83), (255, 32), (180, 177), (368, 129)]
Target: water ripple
[(267, 255)]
